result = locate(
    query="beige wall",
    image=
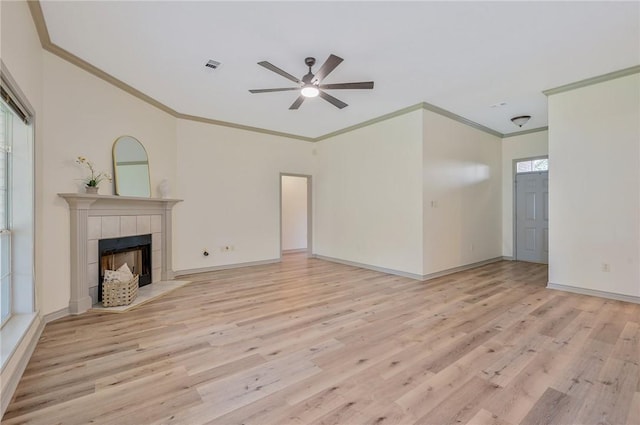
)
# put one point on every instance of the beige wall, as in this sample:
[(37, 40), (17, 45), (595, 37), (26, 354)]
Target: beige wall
[(516, 147), (21, 50), (594, 199), (23, 57), (368, 195), (230, 181), (461, 177), (416, 194), (83, 115), (294, 212)]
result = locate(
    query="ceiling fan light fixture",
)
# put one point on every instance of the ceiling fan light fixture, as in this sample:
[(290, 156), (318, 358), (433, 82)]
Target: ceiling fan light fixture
[(311, 84), (521, 120), (309, 91)]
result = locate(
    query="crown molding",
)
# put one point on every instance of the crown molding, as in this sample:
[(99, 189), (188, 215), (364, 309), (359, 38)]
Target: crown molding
[(46, 43), (370, 122), (593, 80), (460, 119), (420, 106), (522, 133), (38, 20), (243, 127)]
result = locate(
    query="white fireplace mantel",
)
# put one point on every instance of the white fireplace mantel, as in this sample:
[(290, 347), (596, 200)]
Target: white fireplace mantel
[(82, 207)]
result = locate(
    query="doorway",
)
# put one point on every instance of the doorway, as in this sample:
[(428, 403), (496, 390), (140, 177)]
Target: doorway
[(531, 210), (295, 213)]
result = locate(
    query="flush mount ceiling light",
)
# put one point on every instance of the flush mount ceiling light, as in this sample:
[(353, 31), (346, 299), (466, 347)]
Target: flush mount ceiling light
[(310, 91), (521, 120)]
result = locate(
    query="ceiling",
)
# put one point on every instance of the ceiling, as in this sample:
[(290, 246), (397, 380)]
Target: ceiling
[(463, 57)]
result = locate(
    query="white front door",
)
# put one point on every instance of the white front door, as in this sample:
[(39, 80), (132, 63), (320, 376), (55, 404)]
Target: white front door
[(532, 217)]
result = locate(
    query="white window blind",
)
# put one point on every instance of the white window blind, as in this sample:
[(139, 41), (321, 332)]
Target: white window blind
[(5, 235), (5, 149)]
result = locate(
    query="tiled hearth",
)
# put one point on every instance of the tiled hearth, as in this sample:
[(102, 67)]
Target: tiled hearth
[(95, 217)]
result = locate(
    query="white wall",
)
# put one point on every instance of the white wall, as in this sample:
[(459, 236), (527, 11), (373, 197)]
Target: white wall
[(230, 181), (294, 212), (516, 147), (368, 195), (461, 177), (84, 115), (594, 199)]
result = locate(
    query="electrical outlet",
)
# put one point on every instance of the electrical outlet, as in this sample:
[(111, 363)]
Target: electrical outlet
[(606, 267)]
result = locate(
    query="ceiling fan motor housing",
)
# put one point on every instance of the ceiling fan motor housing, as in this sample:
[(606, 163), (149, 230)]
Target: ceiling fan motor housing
[(309, 76)]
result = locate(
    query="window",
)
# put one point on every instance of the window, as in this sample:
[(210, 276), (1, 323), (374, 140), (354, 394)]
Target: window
[(17, 285), (532, 165), (5, 207)]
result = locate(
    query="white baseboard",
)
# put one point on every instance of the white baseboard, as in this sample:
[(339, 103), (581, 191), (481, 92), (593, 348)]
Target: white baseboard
[(369, 267), (407, 274), (293, 251), (460, 268), (594, 293), (185, 272), (63, 312), (18, 358), (508, 258)]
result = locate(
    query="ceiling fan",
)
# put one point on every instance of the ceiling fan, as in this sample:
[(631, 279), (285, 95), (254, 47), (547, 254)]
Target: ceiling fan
[(310, 84)]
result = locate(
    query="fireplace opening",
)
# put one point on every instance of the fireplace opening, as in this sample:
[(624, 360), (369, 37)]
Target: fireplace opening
[(133, 250)]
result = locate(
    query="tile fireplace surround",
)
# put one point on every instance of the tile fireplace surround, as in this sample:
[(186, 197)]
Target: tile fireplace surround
[(95, 217)]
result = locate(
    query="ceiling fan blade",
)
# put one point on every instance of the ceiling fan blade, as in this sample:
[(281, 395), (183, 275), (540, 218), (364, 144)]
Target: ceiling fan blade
[(360, 85), (279, 71), (297, 103), (272, 90), (335, 102), (326, 68)]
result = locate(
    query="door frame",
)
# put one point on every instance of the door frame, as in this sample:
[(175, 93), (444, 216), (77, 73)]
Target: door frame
[(514, 207), (309, 178)]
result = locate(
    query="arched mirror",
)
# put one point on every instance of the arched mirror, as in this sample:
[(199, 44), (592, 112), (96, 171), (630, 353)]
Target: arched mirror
[(131, 168)]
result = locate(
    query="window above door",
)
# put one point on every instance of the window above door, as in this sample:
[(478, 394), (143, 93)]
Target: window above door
[(532, 165)]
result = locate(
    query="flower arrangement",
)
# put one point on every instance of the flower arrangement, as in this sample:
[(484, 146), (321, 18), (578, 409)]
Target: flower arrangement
[(96, 176)]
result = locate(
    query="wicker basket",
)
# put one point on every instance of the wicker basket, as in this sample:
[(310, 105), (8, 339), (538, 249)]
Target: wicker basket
[(119, 293)]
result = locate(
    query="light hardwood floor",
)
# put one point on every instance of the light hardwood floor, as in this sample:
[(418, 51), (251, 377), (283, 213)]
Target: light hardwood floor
[(312, 342)]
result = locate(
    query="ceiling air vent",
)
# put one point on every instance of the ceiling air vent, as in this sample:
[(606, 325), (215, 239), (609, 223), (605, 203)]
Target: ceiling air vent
[(212, 64)]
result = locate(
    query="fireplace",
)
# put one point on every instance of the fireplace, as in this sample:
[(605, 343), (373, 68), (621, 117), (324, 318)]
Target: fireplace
[(133, 250), (95, 217)]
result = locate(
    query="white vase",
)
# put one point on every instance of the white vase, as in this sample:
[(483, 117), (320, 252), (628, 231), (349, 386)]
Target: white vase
[(91, 189), (163, 188)]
